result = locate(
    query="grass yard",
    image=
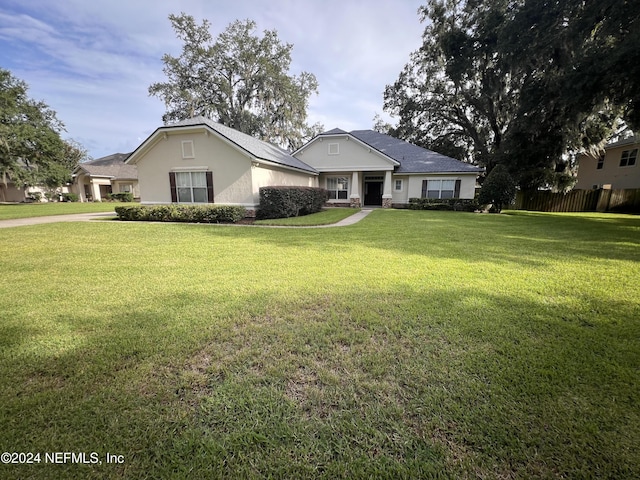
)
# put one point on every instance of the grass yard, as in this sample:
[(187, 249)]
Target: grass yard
[(409, 345), (326, 217), (28, 210)]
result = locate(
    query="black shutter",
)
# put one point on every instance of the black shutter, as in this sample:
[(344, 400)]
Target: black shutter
[(424, 189), (209, 186), (172, 185), (456, 193)]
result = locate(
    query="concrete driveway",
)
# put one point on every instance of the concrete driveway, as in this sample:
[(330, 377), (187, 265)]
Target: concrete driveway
[(76, 217), (84, 217)]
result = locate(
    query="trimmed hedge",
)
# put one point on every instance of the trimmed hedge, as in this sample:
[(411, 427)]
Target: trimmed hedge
[(285, 202), (182, 213), (458, 204), (70, 197), (120, 197)]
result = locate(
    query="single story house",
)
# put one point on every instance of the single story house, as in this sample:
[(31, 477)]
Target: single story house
[(95, 179), (616, 168), (13, 192), (365, 167), (17, 192), (201, 161)]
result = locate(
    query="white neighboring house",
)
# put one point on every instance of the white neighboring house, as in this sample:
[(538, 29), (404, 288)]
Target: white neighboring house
[(94, 179), (365, 167)]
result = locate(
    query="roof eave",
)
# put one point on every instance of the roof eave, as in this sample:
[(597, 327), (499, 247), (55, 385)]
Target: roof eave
[(271, 163), (169, 129)]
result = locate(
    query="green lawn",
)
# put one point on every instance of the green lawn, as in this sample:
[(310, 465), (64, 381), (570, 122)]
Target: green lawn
[(27, 210), (326, 217), (409, 345)]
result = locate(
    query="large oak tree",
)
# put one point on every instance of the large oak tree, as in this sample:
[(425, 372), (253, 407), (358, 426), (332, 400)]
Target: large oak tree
[(241, 79), (31, 148), (519, 82)]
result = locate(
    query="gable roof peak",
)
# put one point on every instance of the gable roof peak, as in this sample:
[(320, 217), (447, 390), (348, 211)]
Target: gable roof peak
[(252, 146), (335, 131)]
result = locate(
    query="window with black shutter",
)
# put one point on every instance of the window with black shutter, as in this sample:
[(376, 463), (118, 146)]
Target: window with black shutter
[(191, 187)]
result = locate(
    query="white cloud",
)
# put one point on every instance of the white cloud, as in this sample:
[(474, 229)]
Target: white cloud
[(92, 62)]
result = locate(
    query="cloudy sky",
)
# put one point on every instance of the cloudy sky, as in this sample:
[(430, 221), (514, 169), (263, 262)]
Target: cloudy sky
[(93, 61)]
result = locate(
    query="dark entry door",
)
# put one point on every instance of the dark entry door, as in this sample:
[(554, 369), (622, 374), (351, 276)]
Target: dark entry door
[(373, 193)]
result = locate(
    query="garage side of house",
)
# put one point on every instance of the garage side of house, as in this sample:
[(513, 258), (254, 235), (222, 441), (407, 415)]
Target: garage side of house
[(198, 161)]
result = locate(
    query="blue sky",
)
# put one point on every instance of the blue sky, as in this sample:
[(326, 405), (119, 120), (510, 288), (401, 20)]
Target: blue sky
[(93, 61)]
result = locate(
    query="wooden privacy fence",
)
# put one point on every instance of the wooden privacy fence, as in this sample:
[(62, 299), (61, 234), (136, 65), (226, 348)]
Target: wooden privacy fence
[(580, 201)]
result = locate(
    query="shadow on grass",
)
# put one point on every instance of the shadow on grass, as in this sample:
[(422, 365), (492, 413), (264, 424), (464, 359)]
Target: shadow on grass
[(526, 238), (392, 383)]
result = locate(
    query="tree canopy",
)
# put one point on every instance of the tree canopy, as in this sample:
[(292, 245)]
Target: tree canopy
[(240, 79), (520, 82), (31, 149)]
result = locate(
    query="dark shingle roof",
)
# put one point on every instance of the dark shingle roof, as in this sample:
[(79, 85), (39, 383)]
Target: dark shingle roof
[(257, 148), (412, 159), (335, 131), (111, 166)]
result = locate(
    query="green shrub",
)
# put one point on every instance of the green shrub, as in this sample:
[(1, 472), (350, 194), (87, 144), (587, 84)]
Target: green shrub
[(35, 196), (133, 213), (181, 213), (457, 204), (121, 197), (498, 189), (285, 202), (70, 197)]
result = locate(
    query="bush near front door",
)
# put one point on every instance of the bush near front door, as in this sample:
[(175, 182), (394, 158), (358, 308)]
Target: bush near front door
[(285, 202)]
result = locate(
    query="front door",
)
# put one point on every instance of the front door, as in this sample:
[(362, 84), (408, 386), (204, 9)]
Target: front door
[(373, 193)]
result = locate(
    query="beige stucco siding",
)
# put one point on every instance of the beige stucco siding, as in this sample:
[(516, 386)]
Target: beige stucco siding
[(265, 176), (231, 169), (467, 184), (611, 172), (117, 184), (402, 195), (237, 176), (337, 154), (10, 193)]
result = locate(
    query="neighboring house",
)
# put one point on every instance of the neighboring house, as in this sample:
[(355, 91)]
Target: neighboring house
[(93, 180), (12, 192), (365, 167), (617, 168), (200, 161)]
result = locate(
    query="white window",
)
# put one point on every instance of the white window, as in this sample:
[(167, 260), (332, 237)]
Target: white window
[(187, 149), (334, 149), (397, 185), (628, 158), (338, 188), (439, 189), (125, 188), (191, 187)]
